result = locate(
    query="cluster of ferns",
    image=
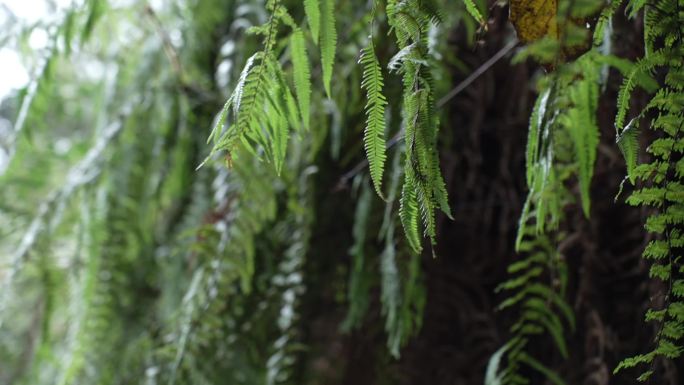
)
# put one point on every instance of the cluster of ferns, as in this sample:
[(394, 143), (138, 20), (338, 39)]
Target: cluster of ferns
[(246, 259), (562, 144)]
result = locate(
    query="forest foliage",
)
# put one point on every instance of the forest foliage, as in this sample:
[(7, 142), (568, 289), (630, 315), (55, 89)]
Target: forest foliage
[(161, 182)]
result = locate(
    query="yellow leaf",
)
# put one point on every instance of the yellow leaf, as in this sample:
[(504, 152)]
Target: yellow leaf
[(534, 19)]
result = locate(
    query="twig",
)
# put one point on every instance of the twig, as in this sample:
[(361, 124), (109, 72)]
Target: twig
[(169, 49), (191, 89), (477, 73)]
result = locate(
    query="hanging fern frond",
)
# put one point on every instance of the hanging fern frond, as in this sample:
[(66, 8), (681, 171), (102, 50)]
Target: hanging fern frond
[(642, 69), (427, 191), (359, 277), (302, 74), (534, 135), (562, 142), (403, 295), (542, 308), (580, 122), (628, 142), (473, 11), (95, 9), (408, 212), (374, 133), (262, 104), (662, 179), (328, 42), (313, 16)]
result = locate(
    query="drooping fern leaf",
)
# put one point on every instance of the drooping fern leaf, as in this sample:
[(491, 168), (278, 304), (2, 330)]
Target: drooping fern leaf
[(408, 212), (328, 42), (411, 21), (359, 280), (96, 9), (541, 306), (534, 135), (374, 133), (263, 107), (302, 73), (580, 120), (402, 292), (628, 143), (642, 69), (562, 142), (313, 16), (473, 11), (661, 181)]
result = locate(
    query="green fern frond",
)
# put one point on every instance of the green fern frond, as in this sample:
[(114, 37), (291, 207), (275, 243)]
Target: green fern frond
[(408, 212), (534, 135), (662, 178), (581, 124), (247, 88), (313, 16), (643, 68), (302, 73), (628, 142), (264, 108), (374, 133), (402, 293), (96, 9), (542, 310), (473, 11), (328, 42), (359, 278), (411, 21), (604, 21)]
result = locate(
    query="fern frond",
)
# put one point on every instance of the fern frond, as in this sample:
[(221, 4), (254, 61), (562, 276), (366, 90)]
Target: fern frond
[(359, 280), (643, 68), (534, 135), (328, 42), (540, 309), (374, 133), (264, 108), (583, 129), (243, 99), (408, 212), (313, 16), (402, 293), (628, 143), (302, 73), (411, 21), (96, 9), (604, 21), (662, 176), (473, 11)]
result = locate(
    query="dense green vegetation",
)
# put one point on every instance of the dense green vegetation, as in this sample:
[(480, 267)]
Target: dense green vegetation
[(271, 192)]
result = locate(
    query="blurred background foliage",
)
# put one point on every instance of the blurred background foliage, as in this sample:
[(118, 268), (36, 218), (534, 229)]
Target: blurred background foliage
[(122, 262)]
